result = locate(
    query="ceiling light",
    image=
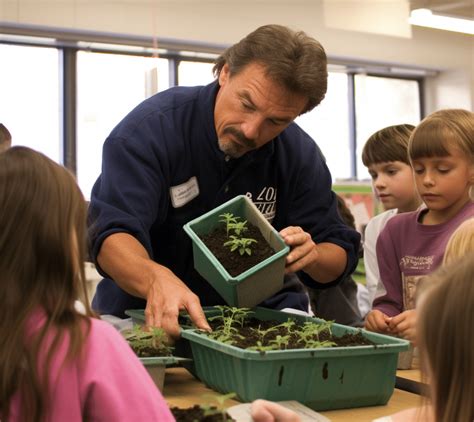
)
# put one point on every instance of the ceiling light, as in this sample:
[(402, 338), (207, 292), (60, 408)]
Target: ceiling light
[(425, 17)]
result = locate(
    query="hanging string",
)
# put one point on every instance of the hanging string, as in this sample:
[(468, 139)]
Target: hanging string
[(154, 30)]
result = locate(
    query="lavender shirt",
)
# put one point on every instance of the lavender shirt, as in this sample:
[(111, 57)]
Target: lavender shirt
[(408, 250)]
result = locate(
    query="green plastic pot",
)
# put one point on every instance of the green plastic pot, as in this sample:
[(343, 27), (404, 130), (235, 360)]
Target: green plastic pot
[(257, 283), (322, 379)]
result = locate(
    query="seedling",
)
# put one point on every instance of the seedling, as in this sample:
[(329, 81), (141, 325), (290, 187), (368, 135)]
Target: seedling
[(230, 316), (217, 405), (229, 219), (241, 244), (236, 242), (238, 228), (148, 343)]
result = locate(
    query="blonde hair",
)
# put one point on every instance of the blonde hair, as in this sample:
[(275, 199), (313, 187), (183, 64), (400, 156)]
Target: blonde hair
[(461, 242), (42, 244), (441, 130), (445, 321)]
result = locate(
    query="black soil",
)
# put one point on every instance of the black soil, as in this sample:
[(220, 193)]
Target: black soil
[(246, 336), (149, 352), (233, 262), (195, 413)]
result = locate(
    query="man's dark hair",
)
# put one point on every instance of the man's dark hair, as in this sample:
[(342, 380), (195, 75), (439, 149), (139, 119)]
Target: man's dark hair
[(290, 58)]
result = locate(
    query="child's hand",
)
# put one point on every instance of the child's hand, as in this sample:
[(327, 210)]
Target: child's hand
[(377, 321), (267, 411), (404, 325)]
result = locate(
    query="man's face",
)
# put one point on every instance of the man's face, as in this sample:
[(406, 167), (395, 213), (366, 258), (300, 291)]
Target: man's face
[(251, 110)]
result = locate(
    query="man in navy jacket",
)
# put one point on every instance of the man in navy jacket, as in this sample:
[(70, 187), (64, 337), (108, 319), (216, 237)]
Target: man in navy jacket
[(186, 150)]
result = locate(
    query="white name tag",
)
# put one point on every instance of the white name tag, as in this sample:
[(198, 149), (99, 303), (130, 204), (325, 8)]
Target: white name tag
[(185, 192)]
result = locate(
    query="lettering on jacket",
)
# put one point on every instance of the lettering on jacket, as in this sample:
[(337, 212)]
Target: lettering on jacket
[(265, 201)]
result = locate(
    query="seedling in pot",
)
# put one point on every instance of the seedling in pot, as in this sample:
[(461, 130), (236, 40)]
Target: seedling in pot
[(229, 219), (152, 342), (242, 244), (237, 242)]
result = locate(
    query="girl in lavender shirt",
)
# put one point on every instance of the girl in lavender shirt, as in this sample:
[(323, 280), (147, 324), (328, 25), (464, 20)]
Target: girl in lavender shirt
[(55, 363), (412, 245)]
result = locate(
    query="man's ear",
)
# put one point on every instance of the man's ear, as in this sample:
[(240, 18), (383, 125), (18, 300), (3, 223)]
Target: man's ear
[(224, 74)]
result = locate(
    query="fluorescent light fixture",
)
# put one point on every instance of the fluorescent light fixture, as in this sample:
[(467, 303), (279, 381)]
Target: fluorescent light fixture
[(425, 17)]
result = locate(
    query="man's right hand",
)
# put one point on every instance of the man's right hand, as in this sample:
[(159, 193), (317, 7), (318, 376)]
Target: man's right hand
[(128, 263), (167, 295)]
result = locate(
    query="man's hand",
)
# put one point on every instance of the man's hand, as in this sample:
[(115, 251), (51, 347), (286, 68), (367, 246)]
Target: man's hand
[(168, 295), (303, 250), (323, 262), (378, 322), (404, 325), (129, 264)]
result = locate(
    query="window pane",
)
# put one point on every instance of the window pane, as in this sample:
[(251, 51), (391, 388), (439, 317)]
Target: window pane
[(328, 125), (29, 97), (382, 102), (194, 73), (109, 87)]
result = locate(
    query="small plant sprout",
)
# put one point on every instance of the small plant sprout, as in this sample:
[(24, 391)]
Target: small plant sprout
[(281, 342), (236, 242), (230, 317), (238, 228), (216, 405), (241, 244), (229, 219), (148, 342)]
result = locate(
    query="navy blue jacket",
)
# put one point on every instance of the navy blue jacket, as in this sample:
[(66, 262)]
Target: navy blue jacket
[(166, 141)]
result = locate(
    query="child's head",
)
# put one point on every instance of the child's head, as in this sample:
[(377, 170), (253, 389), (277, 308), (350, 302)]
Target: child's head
[(42, 226), (385, 154), (5, 138), (461, 242), (441, 151), (387, 145), (445, 321)]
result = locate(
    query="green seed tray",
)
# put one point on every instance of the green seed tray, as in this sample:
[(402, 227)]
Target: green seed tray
[(322, 379)]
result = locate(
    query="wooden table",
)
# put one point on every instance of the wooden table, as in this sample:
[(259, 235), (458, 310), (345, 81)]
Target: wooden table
[(183, 390)]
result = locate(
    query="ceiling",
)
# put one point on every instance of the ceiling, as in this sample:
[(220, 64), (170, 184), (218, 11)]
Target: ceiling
[(457, 8)]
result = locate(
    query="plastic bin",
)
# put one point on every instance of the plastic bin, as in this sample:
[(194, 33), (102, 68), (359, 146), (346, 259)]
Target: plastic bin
[(323, 379), (257, 283)]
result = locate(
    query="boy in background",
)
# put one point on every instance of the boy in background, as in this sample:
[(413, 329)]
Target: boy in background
[(385, 155)]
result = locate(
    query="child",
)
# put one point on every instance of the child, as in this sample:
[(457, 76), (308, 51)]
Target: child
[(460, 243), (55, 363), (385, 155), (412, 245), (338, 303), (445, 321)]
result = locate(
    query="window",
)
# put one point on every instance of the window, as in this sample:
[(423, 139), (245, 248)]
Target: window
[(328, 125), (29, 92), (109, 86), (194, 73), (381, 102)]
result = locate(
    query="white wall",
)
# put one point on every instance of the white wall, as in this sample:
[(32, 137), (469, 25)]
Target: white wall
[(225, 22)]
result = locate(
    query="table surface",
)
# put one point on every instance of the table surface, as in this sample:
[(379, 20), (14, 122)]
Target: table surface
[(183, 390)]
